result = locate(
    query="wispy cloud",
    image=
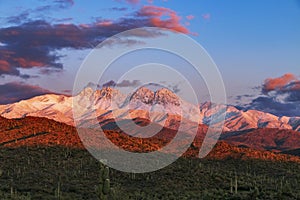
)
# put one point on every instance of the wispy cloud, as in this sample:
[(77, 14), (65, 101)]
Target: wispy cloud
[(24, 16), (17, 19), (190, 17), (132, 2), (118, 9), (154, 16), (64, 3), (124, 83), (206, 16)]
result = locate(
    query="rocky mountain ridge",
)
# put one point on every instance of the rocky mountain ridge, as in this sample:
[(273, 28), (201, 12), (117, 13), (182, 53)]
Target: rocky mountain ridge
[(143, 103)]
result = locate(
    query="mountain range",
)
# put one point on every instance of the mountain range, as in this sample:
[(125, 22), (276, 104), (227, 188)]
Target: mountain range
[(157, 106), (109, 108)]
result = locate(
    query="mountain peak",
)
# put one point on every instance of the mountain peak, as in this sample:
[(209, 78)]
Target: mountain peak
[(87, 91), (106, 92), (166, 96), (144, 95)]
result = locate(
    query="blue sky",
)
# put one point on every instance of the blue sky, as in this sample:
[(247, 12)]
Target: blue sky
[(249, 41)]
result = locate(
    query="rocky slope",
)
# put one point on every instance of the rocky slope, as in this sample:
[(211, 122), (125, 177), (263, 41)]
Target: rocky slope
[(276, 140), (39, 132)]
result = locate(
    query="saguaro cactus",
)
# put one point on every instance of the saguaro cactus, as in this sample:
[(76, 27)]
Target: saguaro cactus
[(58, 189), (103, 189), (236, 184)]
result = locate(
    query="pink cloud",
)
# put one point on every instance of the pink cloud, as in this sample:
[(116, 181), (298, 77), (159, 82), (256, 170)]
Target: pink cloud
[(132, 2), (206, 16), (105, 23), (190, 17), (279, 83), (4, 66), (155, 15)]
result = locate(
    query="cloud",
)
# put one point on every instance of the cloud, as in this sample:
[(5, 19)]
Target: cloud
[(118, 9), (132, 2), (110, 83), (25, 14), (120, 41), (272, 105), (176, 89), (240, 97), (155, 15), (124, 83), (67, 92), (280, 83), (279, 96), (16, 91), (35, 43), (64, 19), (18, 18), (190, 17), (206, 16), (64, 3)]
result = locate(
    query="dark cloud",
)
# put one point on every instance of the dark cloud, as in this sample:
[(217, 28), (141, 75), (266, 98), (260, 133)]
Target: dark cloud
[(118, 9), (24, 16), (120, 41), (124, 83), (64, 19), (56, 4), (17, 19), (132, 2), (15, 91), (66, 92), (176, 89), (110, 83), (49, 70), (272, 105), (128, 83), (65, 3), (27, 76), (35, 43), (280, 96), (240, 97)]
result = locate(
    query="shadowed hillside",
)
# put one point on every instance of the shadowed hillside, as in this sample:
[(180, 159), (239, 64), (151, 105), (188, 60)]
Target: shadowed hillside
[(34, 131)]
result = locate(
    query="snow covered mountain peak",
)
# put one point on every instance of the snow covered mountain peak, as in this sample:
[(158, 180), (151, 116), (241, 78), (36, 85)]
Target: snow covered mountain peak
[(144, 95), (164, 96)]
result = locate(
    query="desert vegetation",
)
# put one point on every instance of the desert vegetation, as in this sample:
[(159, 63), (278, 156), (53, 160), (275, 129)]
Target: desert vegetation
[(44, 159), (64, 173)]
